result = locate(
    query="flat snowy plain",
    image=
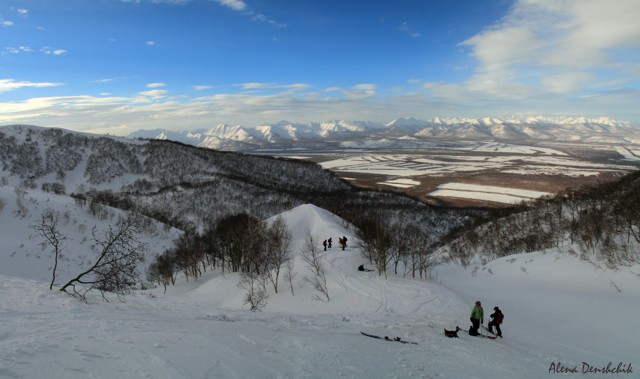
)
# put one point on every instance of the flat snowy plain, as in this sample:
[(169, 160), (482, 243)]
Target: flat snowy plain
[(405, 169), (561, 314)]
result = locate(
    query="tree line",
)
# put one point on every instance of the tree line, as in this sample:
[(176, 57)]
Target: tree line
[(601, 222)]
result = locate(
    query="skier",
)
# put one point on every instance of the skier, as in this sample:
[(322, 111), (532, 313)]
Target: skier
[(344, 242), (324, 243), (477, 319), (329, 242), (496, 320)]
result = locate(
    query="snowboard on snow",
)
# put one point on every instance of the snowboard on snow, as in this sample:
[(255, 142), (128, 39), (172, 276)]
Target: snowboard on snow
[(390, 339), (493, 335)]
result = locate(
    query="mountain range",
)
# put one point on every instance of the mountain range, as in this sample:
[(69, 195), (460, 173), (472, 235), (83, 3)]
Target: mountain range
[(402, 132)]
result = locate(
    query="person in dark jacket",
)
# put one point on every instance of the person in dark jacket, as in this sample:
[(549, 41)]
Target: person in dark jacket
[(477, 318), (496, 320)]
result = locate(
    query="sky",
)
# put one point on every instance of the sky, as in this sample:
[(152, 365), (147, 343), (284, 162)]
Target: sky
[(115, 66)]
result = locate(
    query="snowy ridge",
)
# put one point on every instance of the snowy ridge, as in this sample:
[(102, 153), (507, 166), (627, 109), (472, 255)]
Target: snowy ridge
[(285, 133), (202, 329)]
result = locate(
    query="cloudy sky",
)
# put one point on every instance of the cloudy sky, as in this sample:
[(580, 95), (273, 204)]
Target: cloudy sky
[(114, 66)]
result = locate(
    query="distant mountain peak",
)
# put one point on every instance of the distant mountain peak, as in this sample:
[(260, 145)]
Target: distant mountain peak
[(286, 134)]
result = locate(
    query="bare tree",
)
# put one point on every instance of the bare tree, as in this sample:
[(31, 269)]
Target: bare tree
[(311, 255), (189, 254), (21, 208), (376, 243), (256, 287), (48, 229), (162, 269), (290, 275), (116, 268), (278, 242), (235, 242)]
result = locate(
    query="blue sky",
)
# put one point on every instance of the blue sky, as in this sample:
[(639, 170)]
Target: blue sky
[(114, 66)]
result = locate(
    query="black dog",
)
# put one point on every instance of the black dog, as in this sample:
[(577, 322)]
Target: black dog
[(452, 333)]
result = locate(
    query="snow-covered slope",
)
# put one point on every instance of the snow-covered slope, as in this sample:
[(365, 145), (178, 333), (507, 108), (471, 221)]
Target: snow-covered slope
[(24, 253), (560, 311)]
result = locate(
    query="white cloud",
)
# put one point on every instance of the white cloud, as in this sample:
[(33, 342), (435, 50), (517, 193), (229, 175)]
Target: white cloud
[(241, 6), (28, 49), (560, 46), (356, 92), (18, 50), (566, 82), (23, 12), (267, 86), (51, 51), (283, 89), (237, 5), (156, 85), (179, 2), (11, 85), (108, 80), (405, 29), (201, 87), (155, 94), (6, 23), (153, 109), (266, 19)]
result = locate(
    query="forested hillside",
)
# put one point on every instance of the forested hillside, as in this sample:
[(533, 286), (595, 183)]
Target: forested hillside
[(600, 223), (193, 188)]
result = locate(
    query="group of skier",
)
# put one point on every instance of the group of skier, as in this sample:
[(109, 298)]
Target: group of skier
[(477, 319), (477, 312), (341, 240)]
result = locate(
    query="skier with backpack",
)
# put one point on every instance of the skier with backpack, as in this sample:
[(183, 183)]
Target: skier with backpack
[(496, 320)]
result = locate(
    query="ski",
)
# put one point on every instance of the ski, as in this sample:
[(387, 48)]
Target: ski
[(385, 338)]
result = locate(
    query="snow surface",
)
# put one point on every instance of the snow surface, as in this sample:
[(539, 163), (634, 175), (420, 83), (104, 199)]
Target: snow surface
[(558, 310), (489, 193), (401, 183), (512, 159)]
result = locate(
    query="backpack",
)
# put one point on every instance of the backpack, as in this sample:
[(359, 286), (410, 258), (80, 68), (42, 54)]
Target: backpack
[(499, 317)]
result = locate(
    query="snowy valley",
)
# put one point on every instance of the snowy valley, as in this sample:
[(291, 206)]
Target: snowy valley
[(570, 308)]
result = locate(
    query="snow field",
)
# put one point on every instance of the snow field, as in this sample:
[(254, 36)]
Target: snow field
[(489, 193), (557, 309)]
